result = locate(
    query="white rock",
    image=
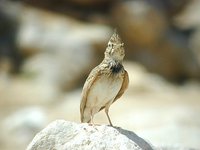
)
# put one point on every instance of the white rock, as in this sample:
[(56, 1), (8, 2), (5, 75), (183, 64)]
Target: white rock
[(19, 127), (63, 135), (32, 117), (63, 48), (189, 17)]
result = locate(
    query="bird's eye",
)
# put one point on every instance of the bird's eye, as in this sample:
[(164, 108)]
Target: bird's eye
[(110, 45)]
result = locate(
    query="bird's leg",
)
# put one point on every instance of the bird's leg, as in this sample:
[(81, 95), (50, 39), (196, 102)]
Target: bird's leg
[(106, 111), (91, 118), (91, 121)]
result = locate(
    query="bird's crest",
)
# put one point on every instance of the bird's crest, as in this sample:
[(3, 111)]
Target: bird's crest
[(115, 38)]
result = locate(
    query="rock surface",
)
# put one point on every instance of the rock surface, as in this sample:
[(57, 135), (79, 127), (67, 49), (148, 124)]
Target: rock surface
[(26, 122), (144, 23), (59, 48), (150, 40), (64, 135)]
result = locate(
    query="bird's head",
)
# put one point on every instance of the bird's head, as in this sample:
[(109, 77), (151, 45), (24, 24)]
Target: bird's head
[(115, 48)]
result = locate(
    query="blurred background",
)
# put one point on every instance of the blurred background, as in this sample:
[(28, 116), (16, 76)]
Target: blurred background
[(48, 47)]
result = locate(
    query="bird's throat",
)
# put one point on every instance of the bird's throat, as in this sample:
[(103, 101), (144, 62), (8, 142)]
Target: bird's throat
[(116, 67)]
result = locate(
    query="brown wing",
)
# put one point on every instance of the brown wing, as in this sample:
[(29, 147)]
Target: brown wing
[(124, 86), (86, 88)]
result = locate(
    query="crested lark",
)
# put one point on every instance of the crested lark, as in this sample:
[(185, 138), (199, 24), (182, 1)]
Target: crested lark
[(106, 82)]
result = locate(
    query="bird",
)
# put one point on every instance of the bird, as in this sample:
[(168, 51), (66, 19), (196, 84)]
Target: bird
[(106, 83)]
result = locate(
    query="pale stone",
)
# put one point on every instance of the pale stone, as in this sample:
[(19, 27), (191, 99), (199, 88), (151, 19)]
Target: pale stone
[(65, 135), (60, 49)]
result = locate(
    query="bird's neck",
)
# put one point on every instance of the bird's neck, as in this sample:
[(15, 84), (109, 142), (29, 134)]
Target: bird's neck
[(115, 65), (112, 60)]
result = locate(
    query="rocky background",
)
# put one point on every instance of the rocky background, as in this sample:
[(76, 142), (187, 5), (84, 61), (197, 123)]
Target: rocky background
[(48, 47)]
